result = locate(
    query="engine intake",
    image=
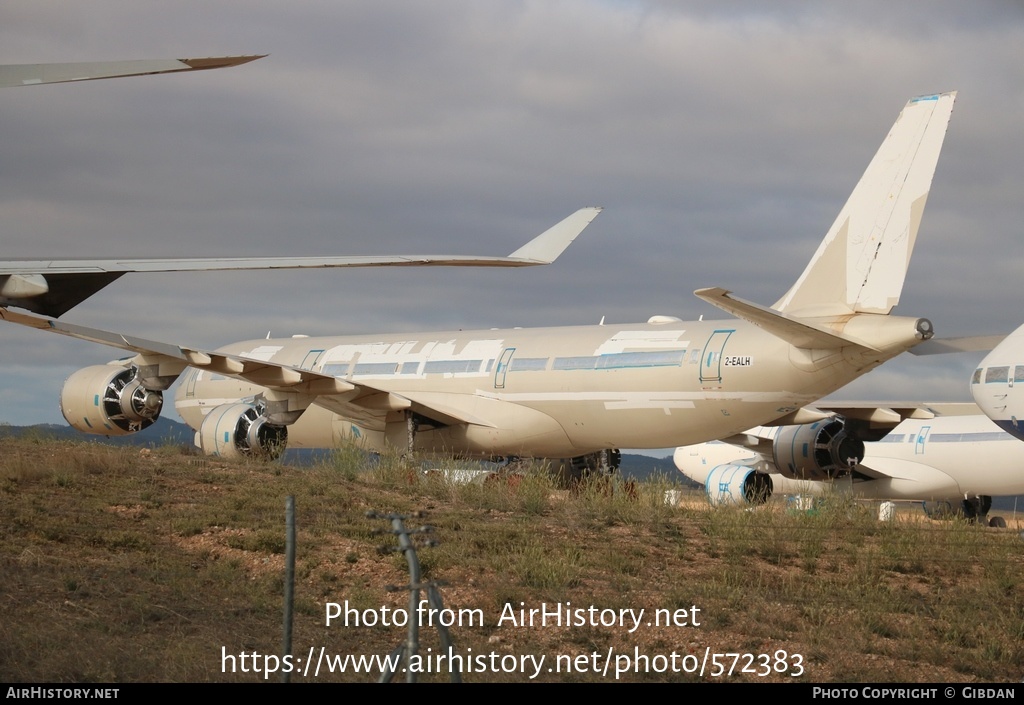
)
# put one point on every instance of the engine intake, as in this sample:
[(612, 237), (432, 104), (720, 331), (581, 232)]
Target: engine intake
[(737, 485), (109, 400), (817, 451), (241, 431)]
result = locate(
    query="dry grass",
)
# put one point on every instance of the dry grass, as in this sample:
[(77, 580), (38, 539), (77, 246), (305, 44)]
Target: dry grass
[(121, 566)]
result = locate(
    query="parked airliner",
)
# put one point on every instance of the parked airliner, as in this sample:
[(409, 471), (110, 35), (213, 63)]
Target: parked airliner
[(575, 392)]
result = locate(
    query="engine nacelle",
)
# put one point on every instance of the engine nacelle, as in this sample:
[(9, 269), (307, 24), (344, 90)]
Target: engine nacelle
[(239, 431), (816, 451), (109, 400), (738, 485)]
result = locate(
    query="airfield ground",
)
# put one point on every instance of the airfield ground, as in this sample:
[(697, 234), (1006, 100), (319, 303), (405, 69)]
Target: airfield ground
[(118, 565)]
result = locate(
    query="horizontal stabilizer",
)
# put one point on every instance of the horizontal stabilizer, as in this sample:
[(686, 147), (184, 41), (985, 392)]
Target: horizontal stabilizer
[(793, 331), (942, 346)]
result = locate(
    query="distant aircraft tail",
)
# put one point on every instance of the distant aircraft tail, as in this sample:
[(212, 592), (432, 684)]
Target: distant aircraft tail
[(861, 264)]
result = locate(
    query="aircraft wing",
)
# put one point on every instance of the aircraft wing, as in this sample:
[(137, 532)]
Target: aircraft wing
[(53, 287), (875, 415), (872, 420), (891, 413), (34, 74), (356, 400)]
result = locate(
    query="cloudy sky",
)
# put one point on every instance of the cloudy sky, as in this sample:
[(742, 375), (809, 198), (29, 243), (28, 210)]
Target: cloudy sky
[(722, 138)]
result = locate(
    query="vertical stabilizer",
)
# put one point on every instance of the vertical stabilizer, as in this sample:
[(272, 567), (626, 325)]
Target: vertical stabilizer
[(862, 262)]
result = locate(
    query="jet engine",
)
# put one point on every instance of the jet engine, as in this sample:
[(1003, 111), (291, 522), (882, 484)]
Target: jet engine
[(737, 484), (241, 430), (817, 451), (109, 400)]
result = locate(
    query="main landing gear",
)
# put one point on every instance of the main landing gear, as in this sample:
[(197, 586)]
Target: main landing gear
[(572, 472), (975, 509)]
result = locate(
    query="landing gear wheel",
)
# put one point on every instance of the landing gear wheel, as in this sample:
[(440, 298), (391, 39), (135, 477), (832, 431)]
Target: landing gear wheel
[(976, 509), (574, 471), (969, 510)]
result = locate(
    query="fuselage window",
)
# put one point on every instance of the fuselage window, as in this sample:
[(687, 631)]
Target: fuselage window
[(451, 366), (336, 369), (375, 368), (528, 364), (575, 363)]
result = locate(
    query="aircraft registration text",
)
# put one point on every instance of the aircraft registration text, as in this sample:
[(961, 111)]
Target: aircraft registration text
[(738, 361)]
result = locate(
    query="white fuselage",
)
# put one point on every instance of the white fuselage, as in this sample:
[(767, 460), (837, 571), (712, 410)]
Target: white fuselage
[(998, 384), (555, 392)]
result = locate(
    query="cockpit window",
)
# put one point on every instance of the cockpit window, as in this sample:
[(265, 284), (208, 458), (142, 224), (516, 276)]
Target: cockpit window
[(995, 375), (977, 376)]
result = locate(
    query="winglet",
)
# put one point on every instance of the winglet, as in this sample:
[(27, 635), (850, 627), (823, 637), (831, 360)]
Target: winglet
[(546, 247), (217, 62)]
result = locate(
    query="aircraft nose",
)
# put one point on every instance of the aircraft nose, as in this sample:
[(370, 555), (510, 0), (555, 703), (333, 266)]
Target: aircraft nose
[(688, 461)]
